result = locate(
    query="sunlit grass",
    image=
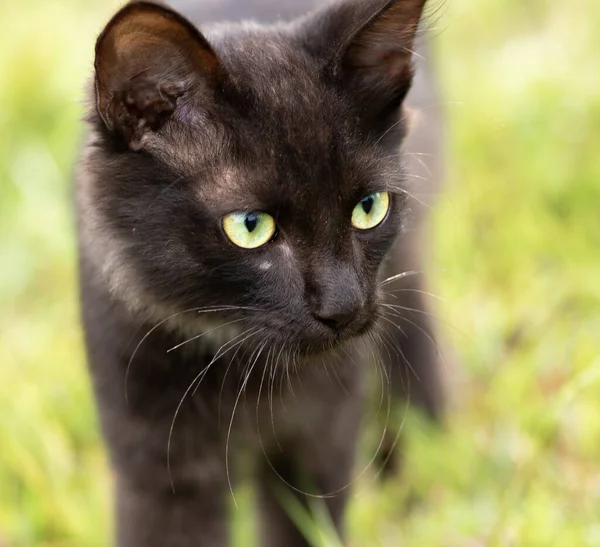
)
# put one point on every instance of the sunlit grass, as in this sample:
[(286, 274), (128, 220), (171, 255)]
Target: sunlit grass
[(516, 258)]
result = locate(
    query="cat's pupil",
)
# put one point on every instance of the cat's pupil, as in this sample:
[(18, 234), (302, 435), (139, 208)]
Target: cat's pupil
[(367, 204), (251, 222)]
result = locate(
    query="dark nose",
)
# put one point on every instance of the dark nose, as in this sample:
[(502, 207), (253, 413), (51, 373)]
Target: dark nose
[(337, 298), (336, 320)]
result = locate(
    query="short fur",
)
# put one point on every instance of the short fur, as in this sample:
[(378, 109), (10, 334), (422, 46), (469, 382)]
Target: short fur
[(207, 358)]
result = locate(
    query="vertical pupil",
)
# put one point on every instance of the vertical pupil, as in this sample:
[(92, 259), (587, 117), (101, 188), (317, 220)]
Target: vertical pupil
[(251, 221), (367, 204)]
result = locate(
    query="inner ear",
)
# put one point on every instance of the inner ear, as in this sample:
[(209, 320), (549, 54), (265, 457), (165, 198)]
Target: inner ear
[(376, 58), (147, 58), (384, 44)]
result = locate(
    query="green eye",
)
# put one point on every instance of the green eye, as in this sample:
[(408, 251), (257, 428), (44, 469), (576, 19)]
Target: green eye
[(249, 230), (371, 211)]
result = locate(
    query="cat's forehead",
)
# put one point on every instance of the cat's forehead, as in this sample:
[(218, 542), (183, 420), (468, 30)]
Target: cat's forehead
[(279, 74), (288, 136), (275, 111), (264, 185)]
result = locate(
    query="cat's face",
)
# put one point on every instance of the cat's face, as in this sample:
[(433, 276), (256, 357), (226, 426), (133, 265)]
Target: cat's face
[(258, 176)]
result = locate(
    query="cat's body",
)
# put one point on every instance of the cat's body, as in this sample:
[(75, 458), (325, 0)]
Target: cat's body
[(208, 359)]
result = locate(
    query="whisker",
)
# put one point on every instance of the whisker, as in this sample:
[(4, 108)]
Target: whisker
[(271, 387), (198, 336), (404, 318), (419, 177), (239, 346), (466, 336), (422, 163), (390, 129), (386, 425), (242, 389), (337, 377), (354, 479), (199, 310), (419, 291), (396, 438), (380, 370), (419, 154), (258, 401), (389, 339), (272, 368), (289, 377), (401, 352), (285, 374), (400, 276), (192, 385)]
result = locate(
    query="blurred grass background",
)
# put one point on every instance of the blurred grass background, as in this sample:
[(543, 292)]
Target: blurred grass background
[(516, 260)]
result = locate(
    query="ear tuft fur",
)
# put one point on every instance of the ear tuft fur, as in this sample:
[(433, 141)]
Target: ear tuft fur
[(147, 58)]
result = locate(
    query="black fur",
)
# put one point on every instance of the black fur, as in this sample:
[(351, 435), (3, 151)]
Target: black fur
[(205, 355)]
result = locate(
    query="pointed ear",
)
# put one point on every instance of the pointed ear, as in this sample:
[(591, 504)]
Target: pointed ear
[(147, 59), (369, 44), (379, 57)]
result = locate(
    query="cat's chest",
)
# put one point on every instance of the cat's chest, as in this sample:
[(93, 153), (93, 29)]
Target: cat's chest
[(256, 394), (296, 405), (266, 403)]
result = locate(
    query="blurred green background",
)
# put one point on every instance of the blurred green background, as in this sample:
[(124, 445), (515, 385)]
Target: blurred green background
[(516, 261)]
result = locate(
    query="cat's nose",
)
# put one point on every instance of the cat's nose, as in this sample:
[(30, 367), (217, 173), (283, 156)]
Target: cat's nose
[(337, 320), (337, 298)]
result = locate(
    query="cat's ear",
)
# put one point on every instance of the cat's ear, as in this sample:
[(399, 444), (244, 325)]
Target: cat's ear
[(148, 58), (378, 59), (369, 44)]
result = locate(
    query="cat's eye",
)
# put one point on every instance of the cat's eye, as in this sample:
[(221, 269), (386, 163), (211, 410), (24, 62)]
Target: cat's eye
[(249, 230), (371, 211)]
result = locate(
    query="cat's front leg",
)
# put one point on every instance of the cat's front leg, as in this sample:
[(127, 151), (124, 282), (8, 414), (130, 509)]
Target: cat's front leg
[(171, 485), (288, 483), (193, 516), (313, 469)]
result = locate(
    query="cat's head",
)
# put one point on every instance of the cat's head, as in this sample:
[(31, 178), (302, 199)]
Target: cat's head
[(254, 171)]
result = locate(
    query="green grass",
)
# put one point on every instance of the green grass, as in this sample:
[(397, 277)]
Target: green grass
[(516, 258)]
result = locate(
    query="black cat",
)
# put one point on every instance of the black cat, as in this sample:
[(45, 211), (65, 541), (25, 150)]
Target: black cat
[(243, 201)]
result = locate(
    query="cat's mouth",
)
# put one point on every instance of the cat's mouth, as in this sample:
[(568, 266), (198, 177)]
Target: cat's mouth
[(314, 346), (305, 337)]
